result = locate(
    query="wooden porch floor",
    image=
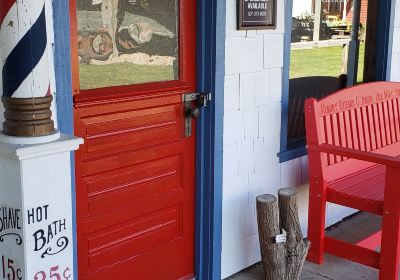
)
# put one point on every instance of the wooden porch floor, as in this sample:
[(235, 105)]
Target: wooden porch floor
[(352, 229)]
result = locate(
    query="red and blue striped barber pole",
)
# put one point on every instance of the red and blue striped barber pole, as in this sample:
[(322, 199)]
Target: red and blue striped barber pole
[(23, 44)]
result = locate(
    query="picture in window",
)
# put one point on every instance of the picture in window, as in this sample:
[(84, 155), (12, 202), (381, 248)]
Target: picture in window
[(124, 42)]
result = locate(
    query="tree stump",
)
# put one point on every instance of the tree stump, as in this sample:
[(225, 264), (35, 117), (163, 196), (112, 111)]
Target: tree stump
[(281, 260), (272, 253)]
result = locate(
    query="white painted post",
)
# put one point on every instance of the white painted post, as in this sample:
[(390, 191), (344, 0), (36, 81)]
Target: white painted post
[(36, 222), (36, 239), (354, 45), (344, 16), (23, 27), (317, 20), (26, 92)]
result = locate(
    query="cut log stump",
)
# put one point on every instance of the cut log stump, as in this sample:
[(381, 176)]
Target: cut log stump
[(283, 248)]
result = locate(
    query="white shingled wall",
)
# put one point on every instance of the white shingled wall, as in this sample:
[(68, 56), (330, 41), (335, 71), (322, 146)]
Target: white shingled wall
[(253, 91), (252, 125), (395, 63), (50, 38)]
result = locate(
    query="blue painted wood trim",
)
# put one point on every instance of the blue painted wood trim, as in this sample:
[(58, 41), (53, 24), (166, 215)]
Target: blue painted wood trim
[(210, 77), (383, 39), (390, 47), (283, 156), (62, 63), (292, 154)]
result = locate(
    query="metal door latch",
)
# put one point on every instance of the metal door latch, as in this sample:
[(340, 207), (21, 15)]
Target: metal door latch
[(193, 102)]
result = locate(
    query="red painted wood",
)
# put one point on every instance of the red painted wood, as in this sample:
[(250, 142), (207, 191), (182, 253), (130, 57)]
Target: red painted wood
[(351, 191), (383, 157), (358, 130), (372, 242), (390, 248), (135, 174), (352, 252), (317, 195), (396, 119), (363, 12)]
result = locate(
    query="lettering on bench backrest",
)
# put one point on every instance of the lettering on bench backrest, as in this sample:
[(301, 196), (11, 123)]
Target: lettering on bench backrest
[(362, 121), (361, 100)]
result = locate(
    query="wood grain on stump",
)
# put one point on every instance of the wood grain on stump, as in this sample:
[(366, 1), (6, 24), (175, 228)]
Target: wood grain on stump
[(281, 261), (272, 254)]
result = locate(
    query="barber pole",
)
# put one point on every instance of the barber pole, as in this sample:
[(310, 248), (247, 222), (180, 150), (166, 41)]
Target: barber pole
[(25, 70)]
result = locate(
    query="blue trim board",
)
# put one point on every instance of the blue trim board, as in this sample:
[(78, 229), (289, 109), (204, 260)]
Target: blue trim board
[(390, 47), (383, 40), (292, 154), (62, 63), (283, 156), (210, 77)]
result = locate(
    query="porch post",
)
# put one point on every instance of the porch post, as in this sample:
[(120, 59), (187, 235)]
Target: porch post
[(344, 13), (36, 223), (317, 20), (354, 45), (26, 93)]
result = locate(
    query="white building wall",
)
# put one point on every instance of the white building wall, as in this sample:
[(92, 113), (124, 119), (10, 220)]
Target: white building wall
[(395, 63), (252, 127), (254, 62), (50, 39)]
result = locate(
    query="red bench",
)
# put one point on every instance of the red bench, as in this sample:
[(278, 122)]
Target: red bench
[(353, 139)]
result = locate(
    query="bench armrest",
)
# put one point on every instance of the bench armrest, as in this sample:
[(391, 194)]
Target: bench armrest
[(356, 154)]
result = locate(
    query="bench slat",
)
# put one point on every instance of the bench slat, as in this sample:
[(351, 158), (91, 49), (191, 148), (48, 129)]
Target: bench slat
[(365, 188), (396, 105), (371, 128)]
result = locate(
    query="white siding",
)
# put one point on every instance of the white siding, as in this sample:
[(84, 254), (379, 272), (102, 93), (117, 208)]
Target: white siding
[(252, 127), (253, 90), (395, 63)]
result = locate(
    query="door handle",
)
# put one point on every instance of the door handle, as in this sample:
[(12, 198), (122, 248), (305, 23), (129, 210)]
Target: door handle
[(192, 104), (195, 113)]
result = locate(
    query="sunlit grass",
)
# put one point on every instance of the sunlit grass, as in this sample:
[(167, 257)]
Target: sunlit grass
[(99, 76), (324, 61)]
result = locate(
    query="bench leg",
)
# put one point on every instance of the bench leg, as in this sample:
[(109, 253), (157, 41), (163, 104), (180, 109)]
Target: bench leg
[(316, 223), (389, 261), (389, 264)]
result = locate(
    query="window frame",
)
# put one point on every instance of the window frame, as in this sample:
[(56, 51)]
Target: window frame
[(382, 56)]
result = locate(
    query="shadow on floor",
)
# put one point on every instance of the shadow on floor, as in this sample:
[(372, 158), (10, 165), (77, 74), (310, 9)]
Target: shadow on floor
[(352, 229)]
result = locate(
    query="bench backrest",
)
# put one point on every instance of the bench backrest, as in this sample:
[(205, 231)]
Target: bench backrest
[(364, 117)]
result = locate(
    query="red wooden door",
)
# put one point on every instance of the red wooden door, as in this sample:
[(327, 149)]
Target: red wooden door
[(135, 174)]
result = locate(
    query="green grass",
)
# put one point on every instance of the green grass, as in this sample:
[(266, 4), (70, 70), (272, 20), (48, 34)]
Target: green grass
[(326, 61), (98, 76)]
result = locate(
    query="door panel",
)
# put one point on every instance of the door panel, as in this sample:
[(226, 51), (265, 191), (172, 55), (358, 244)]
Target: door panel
[(135, 190), (135, 174)]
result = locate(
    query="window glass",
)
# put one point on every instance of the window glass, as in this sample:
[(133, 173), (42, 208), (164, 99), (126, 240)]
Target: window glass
[(319, 56), (125, 42)]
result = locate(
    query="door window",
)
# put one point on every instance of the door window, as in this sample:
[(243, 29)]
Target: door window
[(125, 42)]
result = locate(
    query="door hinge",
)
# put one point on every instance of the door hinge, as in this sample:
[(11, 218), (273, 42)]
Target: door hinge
[(193, 102)]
